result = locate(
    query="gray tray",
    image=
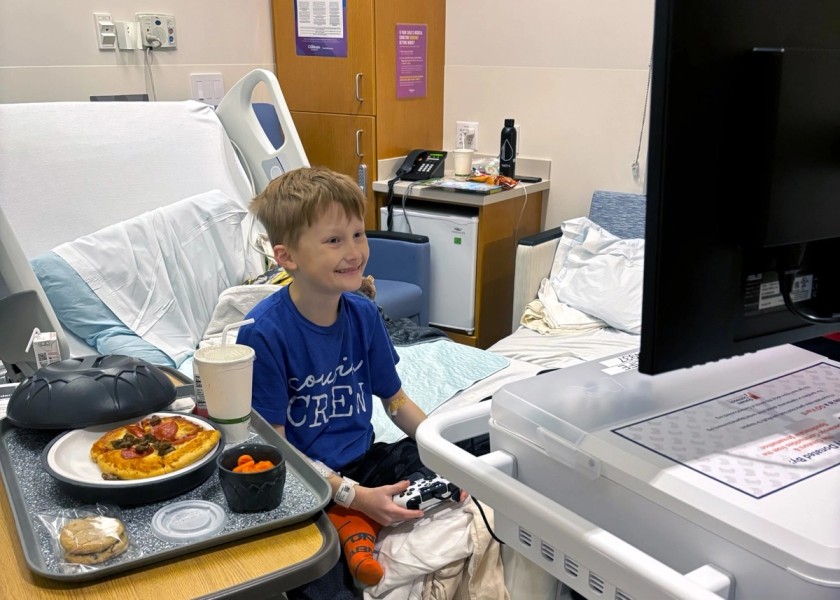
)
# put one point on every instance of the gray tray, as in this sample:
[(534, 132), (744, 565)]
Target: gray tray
[(33, 492)]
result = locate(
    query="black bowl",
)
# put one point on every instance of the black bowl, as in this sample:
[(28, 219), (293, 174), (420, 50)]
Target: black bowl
[(252, 492)]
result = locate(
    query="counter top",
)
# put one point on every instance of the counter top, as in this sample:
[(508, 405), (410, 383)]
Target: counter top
[(417, 189)]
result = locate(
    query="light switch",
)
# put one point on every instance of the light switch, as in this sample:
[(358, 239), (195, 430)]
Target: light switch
[(207, 87)]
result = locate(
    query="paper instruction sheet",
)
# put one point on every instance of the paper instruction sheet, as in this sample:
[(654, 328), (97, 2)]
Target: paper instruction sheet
[(757, 440)]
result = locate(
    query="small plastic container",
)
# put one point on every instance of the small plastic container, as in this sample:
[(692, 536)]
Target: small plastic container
[(257, 491), (188, 521)]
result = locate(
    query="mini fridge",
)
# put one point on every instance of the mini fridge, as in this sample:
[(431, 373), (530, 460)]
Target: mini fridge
[(453, 238)]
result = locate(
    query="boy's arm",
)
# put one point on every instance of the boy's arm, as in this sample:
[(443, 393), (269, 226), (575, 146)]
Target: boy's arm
[(376, 503), (403, 412)]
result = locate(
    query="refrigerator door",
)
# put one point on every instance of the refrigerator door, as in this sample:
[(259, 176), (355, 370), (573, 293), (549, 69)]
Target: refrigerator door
[(454, 241)]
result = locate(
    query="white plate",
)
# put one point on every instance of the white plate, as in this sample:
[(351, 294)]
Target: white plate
[(69, 456)]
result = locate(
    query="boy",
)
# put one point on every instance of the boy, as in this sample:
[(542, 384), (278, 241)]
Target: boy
[(322, 351)]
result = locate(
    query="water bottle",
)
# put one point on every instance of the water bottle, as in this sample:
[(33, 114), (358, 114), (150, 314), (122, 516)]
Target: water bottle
[(507, 150)]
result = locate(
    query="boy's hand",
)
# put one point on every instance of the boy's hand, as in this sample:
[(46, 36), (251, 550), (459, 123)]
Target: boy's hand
[(378, 503)]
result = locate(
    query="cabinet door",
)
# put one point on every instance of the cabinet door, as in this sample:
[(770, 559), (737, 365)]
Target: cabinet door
[(342, 143), (327, 84)]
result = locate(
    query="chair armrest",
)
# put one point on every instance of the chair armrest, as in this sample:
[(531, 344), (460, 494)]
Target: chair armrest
[(413, 238), (534, 257)]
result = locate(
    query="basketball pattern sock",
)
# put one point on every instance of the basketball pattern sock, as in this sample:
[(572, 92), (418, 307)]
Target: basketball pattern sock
[(357, 534)]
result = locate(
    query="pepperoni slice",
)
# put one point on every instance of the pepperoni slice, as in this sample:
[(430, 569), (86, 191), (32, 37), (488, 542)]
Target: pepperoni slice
[(136, 430), (166, 431), (129, 453)]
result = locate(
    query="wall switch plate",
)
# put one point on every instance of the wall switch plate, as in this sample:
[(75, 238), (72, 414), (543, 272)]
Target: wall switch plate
[(518, 139), (207, 87), (466, 134), (106, 37)]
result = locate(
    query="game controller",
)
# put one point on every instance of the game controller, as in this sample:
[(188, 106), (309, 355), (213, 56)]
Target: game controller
[(426, 493)]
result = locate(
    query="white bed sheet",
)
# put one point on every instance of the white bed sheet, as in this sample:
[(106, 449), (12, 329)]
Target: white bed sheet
[(558, 352)]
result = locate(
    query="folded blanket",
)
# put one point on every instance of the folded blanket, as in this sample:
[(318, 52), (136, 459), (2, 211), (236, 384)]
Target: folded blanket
[(161, 272)]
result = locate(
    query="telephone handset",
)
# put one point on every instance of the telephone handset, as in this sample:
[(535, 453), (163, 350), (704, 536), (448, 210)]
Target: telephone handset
[(422, 164)]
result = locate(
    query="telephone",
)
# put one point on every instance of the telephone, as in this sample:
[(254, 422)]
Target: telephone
[(418, 166), (422, 164)]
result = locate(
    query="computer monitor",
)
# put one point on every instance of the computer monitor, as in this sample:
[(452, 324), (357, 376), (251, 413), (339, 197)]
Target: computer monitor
[(743, 179)]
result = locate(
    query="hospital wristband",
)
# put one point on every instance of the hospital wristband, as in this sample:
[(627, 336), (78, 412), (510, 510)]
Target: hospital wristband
[(346, 492)]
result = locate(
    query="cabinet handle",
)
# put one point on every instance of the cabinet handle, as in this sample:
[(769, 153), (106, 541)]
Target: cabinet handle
[(358, 88), (359, 143)]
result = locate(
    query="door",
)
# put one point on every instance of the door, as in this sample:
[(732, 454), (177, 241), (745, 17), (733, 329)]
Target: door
[(343, 143), (327, 84)]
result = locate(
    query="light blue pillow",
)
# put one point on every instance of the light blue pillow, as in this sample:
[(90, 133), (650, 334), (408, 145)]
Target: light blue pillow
[(81, 311)]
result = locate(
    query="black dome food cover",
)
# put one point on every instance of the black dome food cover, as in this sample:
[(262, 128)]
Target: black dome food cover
[(89, 390)]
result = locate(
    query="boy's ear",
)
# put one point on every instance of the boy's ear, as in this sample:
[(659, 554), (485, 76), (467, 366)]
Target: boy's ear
[(283, 256)]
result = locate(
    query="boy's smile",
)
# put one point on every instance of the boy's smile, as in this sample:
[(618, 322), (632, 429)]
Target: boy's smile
[(330, 256)]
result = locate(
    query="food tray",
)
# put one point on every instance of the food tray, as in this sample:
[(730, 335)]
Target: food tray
[(32, 491)]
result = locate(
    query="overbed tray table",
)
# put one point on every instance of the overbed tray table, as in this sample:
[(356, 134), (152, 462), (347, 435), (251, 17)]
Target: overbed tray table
[(255, 555)]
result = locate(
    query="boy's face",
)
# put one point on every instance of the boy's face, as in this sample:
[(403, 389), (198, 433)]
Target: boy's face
[(330, 256)]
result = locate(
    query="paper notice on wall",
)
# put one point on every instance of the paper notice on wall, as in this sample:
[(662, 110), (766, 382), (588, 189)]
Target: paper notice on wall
[(757, 440), (411, 60), (320, 28)]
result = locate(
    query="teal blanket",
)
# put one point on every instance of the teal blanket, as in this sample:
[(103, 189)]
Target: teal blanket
[(431, 374)]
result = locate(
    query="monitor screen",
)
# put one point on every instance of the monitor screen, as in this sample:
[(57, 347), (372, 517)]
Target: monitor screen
[(743, 210)]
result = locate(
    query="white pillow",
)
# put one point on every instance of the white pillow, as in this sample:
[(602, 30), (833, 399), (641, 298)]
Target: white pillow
[(600, 274)]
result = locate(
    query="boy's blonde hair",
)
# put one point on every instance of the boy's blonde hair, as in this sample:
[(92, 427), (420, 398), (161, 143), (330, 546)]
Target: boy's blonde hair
[(297, 199)]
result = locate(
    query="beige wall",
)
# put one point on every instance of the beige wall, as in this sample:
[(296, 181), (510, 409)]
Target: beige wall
[(572, 74), (48, 48)]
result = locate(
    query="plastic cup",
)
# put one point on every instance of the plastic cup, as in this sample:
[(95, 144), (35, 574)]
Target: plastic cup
[(226, 375), (463, 161)]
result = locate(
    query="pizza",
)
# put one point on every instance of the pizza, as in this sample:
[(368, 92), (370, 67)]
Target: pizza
[(154, 446)]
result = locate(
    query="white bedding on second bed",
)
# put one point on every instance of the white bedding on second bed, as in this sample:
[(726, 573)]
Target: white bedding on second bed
[(557, 352)]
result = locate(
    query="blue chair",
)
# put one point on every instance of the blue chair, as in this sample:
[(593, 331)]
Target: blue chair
[(399, 262)]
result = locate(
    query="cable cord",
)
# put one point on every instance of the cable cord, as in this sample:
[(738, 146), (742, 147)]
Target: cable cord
[(404, 197), (150, 83), (519, 220), (637, 177), (486, 523), (787, 273)]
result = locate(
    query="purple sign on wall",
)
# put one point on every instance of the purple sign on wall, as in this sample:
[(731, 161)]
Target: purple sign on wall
[(320, 28), (411, 60)]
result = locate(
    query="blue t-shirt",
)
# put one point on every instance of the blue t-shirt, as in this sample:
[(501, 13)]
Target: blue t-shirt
[(318, 381)]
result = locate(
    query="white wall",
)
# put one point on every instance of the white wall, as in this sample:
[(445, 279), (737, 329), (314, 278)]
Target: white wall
[(572, 74), (48, 49)]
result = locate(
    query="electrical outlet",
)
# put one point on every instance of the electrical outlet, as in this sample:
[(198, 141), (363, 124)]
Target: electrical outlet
[(466, 134), (157, 30)]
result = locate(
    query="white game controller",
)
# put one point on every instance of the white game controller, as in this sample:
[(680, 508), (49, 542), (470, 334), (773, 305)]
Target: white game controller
[(425, 493)]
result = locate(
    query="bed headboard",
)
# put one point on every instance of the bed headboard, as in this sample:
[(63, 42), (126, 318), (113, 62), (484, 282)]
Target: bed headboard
[(69, 169), (620, 213)]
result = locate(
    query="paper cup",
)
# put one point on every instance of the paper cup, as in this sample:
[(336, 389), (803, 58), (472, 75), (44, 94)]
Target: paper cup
[(463, 161), (226, 375)]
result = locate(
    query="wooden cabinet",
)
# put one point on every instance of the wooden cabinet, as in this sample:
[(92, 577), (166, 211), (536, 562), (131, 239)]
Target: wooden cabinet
[(346, 109)]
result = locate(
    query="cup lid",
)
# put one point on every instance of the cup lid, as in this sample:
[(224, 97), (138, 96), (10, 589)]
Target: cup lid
[(188, 521)]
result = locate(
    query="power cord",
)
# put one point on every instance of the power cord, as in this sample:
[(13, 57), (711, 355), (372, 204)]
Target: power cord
[(635, 168), (150, 83), (521, 212), (486, 523), (790, 266)]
